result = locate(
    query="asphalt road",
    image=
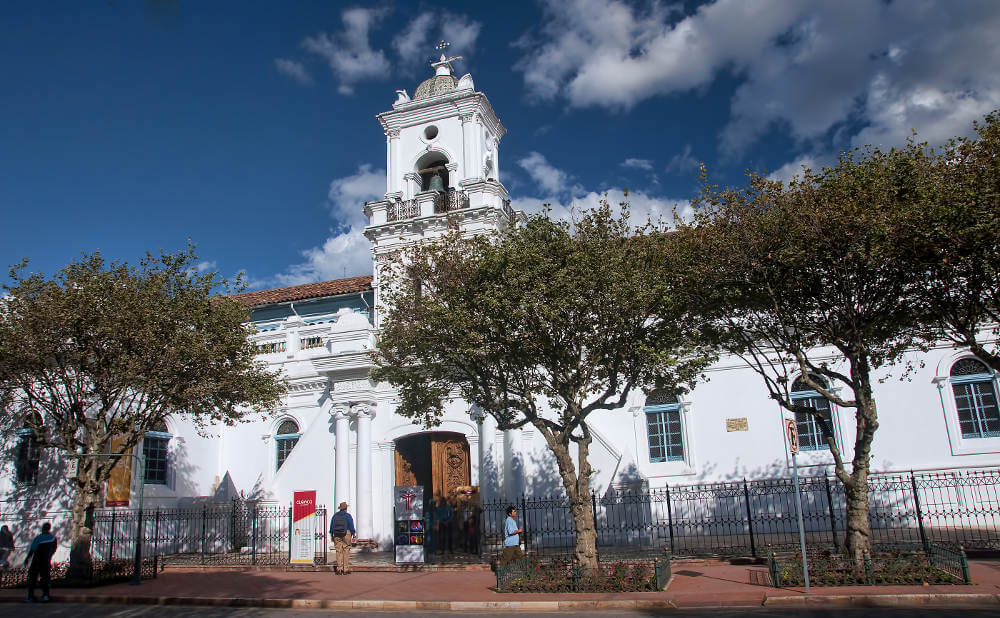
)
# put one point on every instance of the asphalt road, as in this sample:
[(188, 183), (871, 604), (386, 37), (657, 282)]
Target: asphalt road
[(72, 610)]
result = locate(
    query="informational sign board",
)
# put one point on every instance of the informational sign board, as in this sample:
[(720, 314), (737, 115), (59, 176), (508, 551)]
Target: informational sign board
[(304, 527), (409, 533), (737, 424), (792, 431)]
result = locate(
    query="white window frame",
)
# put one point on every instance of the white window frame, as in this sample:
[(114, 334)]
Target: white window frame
[(961, 445), (166, 437), (651, 469)]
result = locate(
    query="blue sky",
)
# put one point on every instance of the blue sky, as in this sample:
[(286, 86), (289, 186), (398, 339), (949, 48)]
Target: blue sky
[(249, 127)]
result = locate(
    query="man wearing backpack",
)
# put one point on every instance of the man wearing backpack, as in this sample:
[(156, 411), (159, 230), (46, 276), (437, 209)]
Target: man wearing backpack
[(342, 532), (40, 559)]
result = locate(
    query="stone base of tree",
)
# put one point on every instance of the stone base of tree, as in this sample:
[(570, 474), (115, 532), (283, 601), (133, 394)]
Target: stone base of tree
[(886, 566)]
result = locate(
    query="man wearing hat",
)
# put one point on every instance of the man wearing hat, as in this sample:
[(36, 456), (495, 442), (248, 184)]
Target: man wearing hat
[(342, 532)]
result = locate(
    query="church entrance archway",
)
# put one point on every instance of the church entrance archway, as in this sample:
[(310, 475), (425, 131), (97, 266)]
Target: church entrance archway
[(438, 461)]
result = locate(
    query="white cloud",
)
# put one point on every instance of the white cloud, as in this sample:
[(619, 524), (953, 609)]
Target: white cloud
[(638, 164), (294, 70), (794, 168), (871, 70), (682, 162), (551, 180), (205, 265), (346, 252), (415, 44), (349, 54)]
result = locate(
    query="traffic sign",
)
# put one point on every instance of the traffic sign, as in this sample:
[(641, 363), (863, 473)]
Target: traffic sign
[(792, 432)]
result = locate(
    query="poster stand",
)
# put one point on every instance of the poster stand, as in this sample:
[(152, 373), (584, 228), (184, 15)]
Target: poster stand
[(408, 529)]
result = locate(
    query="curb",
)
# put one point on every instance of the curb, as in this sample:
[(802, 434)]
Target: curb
[(883, 600), (524, 606)]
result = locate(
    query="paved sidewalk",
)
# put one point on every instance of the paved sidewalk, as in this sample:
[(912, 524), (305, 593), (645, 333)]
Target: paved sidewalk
[(694, 585)]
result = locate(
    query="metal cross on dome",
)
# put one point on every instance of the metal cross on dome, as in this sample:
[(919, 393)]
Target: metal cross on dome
[(442, 46)]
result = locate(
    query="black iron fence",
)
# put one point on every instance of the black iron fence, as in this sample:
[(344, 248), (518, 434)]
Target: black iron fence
[(229, 533), (947, 508)]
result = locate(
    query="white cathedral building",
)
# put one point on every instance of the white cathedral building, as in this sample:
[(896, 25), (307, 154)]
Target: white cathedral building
[(337, 432)]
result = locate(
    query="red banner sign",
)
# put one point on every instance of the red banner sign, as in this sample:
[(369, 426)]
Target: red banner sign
[(303, 505)]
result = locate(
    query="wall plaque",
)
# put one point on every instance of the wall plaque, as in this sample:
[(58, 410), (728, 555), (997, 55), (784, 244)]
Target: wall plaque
[(737, 424)]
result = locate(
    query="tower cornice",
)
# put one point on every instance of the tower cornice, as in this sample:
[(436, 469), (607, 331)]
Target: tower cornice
[(442, 106)]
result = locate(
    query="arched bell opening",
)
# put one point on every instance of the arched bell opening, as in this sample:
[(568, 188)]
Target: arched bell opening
[(433, 171)]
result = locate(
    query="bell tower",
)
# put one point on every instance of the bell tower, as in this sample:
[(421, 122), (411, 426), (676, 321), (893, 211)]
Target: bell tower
[(442, 150)]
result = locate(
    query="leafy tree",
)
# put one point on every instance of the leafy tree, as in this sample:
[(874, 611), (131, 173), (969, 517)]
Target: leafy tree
[(542, 326), (955, 226), (94, 357), (806, 279)]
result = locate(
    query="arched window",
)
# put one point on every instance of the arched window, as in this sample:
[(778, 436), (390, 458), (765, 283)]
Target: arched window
[(285, 440), (663, 427), (28, 454), (810, 434), (156, 455), (975, 399)]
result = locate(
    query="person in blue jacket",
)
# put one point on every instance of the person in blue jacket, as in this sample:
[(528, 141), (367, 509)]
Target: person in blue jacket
[(342, 531), (40, 559)]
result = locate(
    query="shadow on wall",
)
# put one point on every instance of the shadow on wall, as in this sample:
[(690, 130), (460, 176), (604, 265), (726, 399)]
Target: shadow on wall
[(28, 505)]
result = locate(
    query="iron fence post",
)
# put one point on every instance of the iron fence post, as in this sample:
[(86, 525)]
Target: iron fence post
[(232, 527), (137, 560), (593, 510), (833, 520), (253, 536), (156, 533), (746, 495), (111, 537), (289, 534), (204, 530), (670, 519), (916, 505), (524, 519)]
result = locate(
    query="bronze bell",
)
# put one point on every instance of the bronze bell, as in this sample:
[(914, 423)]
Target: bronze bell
[(436, 183)]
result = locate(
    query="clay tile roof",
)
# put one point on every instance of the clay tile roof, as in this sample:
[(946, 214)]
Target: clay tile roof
[(308, 290)]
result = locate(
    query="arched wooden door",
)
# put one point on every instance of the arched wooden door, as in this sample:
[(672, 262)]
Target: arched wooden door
[(438, 461)]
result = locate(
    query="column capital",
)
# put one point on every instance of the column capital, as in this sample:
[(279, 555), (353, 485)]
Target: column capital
[(340, 411), (392, 133), (364, 409)]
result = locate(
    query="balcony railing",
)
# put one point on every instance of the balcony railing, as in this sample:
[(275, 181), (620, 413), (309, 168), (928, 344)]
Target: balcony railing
[(271, 347), (309, 343), (452, 200), (508, 211), (401, 211)]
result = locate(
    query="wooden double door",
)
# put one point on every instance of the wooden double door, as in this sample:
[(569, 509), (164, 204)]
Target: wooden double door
[(439, 461)]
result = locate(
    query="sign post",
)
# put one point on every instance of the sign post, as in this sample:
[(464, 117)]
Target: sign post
[(303, 533), (409, 533), (792, 433)]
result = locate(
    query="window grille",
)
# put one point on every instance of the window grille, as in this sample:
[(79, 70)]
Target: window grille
[(663, 427), (285, 440), (974, 386)]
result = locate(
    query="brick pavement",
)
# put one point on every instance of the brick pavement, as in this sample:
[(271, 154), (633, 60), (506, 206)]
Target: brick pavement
[(693, 585)]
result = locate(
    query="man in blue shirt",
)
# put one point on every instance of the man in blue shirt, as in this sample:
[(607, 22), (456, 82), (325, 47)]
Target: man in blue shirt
[(511, 539), (40, 556), (342, 531)]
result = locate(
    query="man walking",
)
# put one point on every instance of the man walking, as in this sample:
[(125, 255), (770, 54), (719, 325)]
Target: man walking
[(511, 540), (40, 556), (342, 532)]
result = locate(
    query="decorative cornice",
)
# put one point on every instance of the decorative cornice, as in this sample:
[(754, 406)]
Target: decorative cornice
[(392, 133), (352, 385), (307, 386)]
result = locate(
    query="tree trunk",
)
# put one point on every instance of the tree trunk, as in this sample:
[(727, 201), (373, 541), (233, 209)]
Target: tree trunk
[(84, 502), (577, 487), (858, 541)]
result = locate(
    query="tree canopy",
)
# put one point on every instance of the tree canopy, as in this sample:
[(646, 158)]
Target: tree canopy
[(542, 325), (100, 353)]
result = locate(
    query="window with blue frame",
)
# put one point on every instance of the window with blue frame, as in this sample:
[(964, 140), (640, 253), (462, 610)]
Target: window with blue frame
[(975, 391), (808, 426), (156, 455), (663, 427), (285, 440)]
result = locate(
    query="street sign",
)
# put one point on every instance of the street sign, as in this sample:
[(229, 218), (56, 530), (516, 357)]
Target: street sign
[(792, 432)]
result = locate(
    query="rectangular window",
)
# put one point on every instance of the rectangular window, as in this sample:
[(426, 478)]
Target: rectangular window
[(976, 402), (810, 433), (27, 459), (285, 446), (155, 456), (663, 427)]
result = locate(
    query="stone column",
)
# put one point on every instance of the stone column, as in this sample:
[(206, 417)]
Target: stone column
[(342, 478), (487, 465), (364, 412), (392, 161), (469, 150)]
